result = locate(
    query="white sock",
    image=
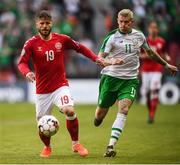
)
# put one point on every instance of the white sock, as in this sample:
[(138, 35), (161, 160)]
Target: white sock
[(117, 128), (75, 142)]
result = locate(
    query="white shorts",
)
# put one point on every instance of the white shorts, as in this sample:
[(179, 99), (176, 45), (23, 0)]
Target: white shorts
[(61, 97), (151, 81)]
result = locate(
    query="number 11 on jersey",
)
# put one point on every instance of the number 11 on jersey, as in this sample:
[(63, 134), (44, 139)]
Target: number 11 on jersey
[(128, 48)]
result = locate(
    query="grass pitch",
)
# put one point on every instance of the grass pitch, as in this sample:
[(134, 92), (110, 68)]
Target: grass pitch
[(139, 143)]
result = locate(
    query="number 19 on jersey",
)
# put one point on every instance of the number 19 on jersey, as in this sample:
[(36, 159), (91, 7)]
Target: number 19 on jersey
[(49, 55)]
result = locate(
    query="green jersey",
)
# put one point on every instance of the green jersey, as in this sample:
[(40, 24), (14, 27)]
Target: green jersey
[(127, 47)]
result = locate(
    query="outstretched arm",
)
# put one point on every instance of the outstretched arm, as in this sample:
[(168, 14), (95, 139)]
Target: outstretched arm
[(156, 57), (89, 54), (110, 61), (80, 48)]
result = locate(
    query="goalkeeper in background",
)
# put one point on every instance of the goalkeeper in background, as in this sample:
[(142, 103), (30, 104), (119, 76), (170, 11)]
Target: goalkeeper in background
[(119, 82)]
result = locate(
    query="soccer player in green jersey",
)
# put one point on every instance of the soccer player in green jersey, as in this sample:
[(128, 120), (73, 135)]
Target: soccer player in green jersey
[(119, 82)]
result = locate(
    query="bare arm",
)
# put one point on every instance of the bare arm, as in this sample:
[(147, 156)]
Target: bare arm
[(156, 57), (167, 57), (111, 61)]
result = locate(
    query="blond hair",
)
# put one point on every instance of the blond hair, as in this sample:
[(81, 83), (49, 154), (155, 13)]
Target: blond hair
[(126, 13)]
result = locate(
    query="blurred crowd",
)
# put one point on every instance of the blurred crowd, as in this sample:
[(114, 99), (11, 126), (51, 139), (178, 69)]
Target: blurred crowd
[(79, 19)]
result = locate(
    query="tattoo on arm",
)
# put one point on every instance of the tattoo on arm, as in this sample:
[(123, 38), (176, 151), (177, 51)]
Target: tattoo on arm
[(102, 54), (153, 55)]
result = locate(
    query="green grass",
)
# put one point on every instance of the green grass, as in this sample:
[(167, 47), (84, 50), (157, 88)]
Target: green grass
[(140, 142)]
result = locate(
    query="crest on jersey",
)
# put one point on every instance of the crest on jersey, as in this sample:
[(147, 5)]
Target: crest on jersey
[(23, 52), (58, 45), (135, 41)]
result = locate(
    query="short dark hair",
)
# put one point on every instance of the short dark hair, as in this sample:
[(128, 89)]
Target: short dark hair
[(45, 14)]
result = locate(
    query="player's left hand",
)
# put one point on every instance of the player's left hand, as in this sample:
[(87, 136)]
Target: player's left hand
[(100, 62), (172, 69), (31, 77)]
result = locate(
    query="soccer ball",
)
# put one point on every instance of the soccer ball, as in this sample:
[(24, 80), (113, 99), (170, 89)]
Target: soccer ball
[(48, 125)]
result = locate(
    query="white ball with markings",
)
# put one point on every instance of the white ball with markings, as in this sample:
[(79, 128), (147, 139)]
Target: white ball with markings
[(48, 125)]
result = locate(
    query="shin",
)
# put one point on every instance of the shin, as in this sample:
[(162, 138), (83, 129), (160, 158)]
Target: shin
[(99, 115), (72, 123)]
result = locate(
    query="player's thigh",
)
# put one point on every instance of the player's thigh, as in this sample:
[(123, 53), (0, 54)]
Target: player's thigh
[(127, 93), (63, 100), (44, 105), (107, 91), (106, 99), (155, 82), (145, 77)]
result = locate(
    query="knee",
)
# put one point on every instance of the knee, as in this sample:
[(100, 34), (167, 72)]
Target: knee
[(68, 111), (124, 110), (154, 93)]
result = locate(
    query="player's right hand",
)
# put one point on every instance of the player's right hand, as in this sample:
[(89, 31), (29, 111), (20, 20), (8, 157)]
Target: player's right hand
[(117, 61), (100, 62), (30, 77), (172, 69), (113, 61)]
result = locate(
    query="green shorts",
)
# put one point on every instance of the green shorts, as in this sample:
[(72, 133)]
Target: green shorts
[(112, 89)]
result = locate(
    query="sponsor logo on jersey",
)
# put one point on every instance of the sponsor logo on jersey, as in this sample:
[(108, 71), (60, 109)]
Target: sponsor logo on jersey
[(39, 48)]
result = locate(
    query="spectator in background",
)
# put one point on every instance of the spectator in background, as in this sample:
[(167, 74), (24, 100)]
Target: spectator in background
[(140, 13), (63, 25), (107, 18), (16, 20), (72, 9), (83, 64), (87, 17), (163, 19), (118, 5), (6, 73)]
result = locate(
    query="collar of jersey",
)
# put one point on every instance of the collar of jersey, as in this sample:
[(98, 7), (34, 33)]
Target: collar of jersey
[(123, 32)]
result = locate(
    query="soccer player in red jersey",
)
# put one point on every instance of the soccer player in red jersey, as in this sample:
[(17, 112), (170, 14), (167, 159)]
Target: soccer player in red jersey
[(152, 71), (47, 51)]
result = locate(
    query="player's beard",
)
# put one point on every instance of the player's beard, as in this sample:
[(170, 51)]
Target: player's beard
[(45, 32)]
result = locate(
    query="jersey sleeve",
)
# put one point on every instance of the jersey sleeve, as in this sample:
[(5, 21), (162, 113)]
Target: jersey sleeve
[(145, 44), (107, 44), (24, 59), (164, 46), (71, 44)]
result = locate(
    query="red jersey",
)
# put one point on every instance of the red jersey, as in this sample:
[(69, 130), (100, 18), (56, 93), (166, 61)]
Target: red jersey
[(149, 65), (48, 60)]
